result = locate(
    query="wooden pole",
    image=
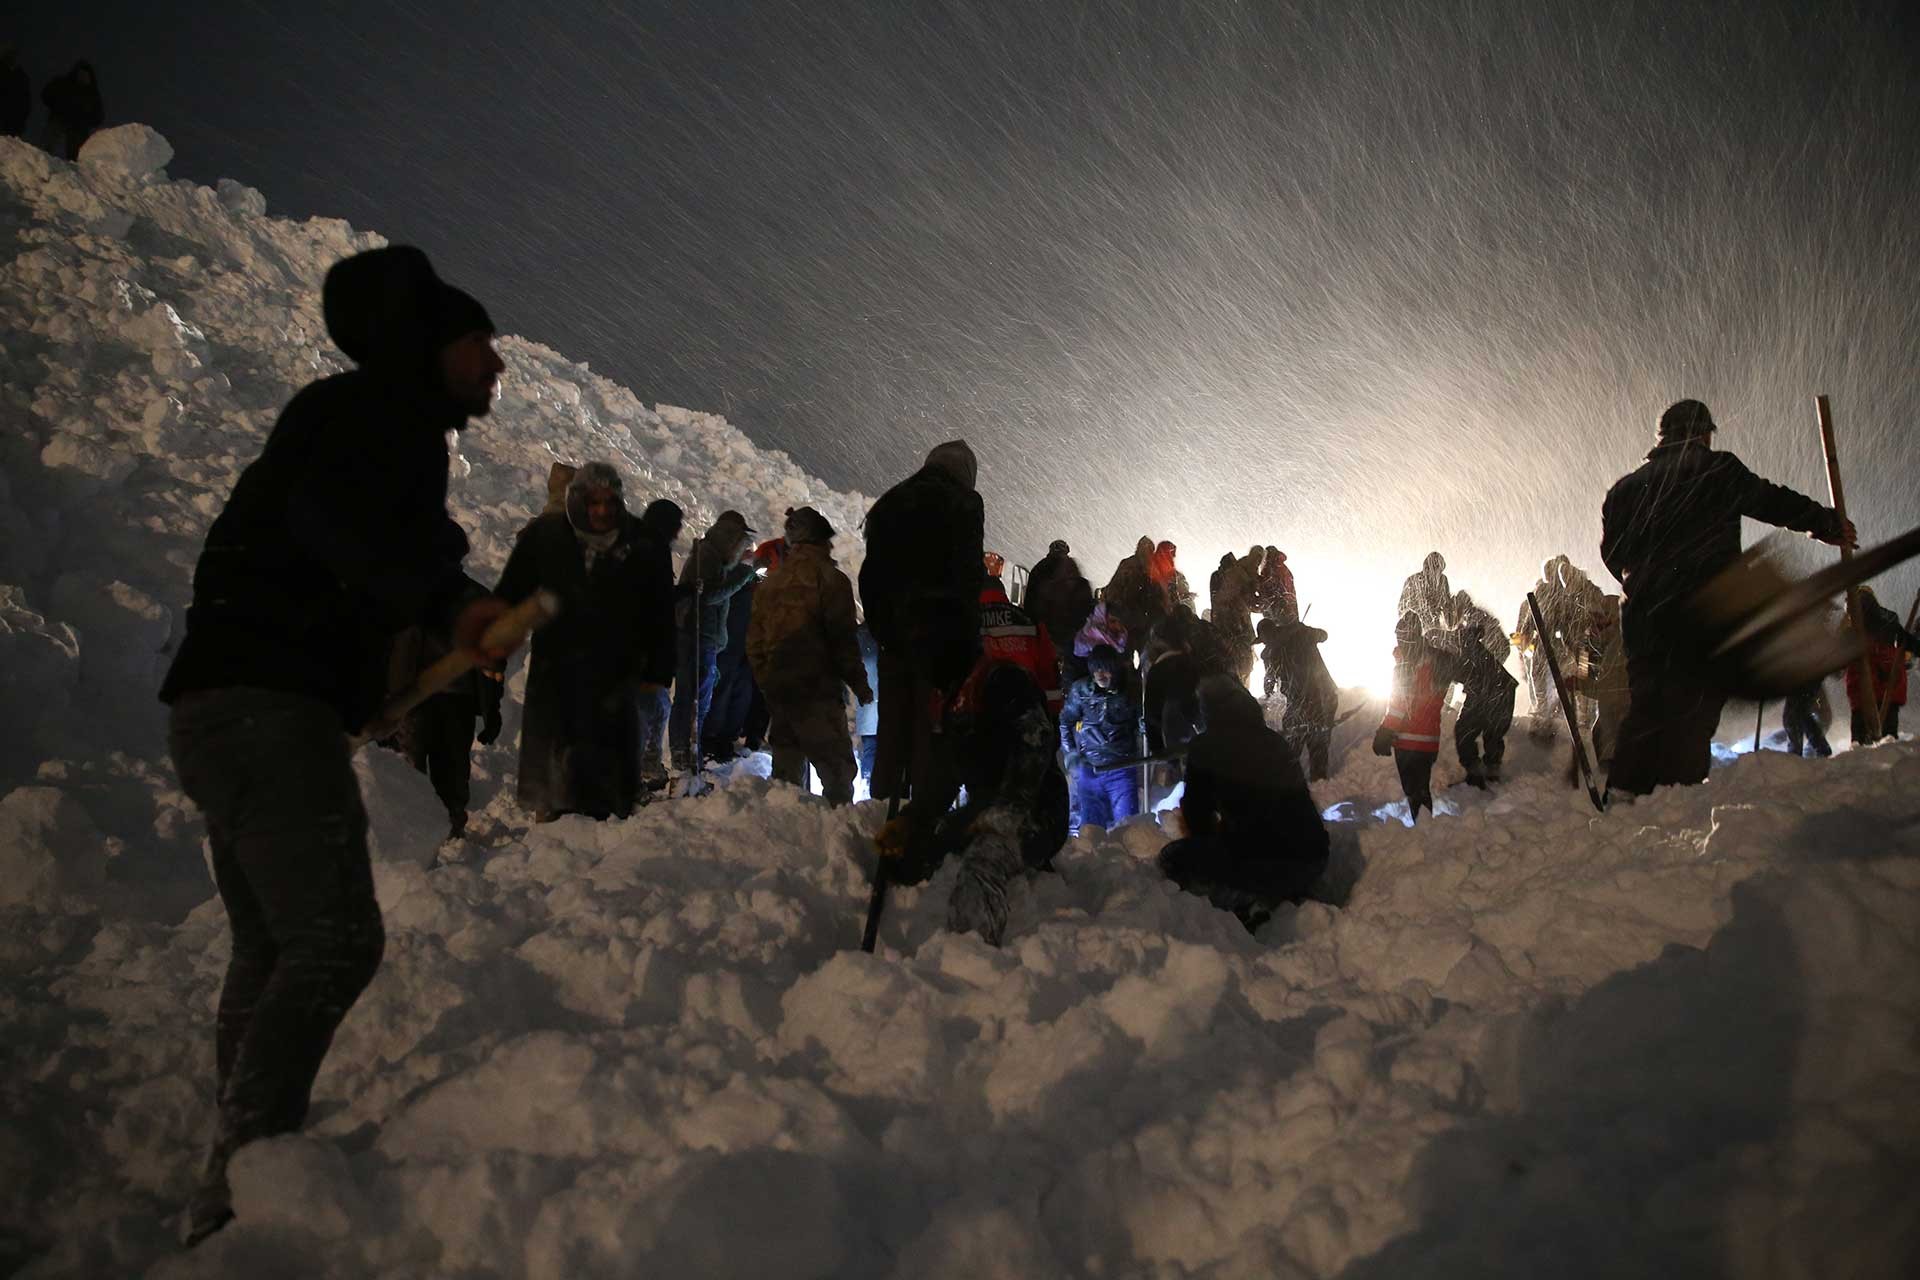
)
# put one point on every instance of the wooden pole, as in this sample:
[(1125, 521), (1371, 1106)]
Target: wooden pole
[(1824, 413), (1759, 711)]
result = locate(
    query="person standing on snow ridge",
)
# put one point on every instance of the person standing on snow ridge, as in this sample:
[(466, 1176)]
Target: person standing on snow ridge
[(1233, 586), (1410, 733), (334, 539), (1666, 530), (74, 110), (805, 654), (601, 667), (1427, 594), (1804, 716), (1132, 597), (1009, 634), (735, 692), (1100, 725), (1254, 836), (1480, 730), (1275, 597), (1888, 644), (920, 590), (1296, 669), (437, 736), (1060, 599), (16, 94), (1167, 578), (715, 570)]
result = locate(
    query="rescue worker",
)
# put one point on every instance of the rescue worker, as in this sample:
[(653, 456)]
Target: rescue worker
[(1297, 672), (1888, 647), (1100, 725), (805, 654), (1410, 732)]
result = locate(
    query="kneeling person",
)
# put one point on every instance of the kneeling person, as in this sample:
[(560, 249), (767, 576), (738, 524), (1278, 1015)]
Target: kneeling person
[(1255, 838)]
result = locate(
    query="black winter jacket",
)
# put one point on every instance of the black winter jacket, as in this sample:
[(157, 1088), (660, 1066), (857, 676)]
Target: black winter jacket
[(1103, 725), (1672, 525), (920, 583), (615, 620)]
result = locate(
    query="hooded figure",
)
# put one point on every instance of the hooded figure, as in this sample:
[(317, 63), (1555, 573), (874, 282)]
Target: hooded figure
[(1100, 725), (580, 738), (920, 587), (1059, 597), (16, 94), (1888, 648), (74, 110), (1274, 595), (1427, 594), (715, 570), (1132, 596), (1296, 671), (1234, 586), (333, 540), (1254, 835), (1666, 530), (805, 653), (1410, 732)]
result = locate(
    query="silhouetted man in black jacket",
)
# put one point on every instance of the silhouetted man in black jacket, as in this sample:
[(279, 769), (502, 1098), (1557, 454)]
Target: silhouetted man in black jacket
[(1666, 530), (336, 538)]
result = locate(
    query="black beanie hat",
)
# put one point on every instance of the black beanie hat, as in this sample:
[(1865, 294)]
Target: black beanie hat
[(456, 314), (1685, 420)]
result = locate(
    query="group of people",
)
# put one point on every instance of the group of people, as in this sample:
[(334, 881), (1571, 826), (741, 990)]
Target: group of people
[(986, 724), (72, 100)]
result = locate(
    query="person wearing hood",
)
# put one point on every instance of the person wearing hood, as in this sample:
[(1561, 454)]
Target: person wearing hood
[(16, 94), (74, 110), (1888, 647), (334, 540), (1132, 596), (1667, 529), (1274, 595), (1410, 732), (1060, 599), (716, 569), (920, 590), (1486, 714), (1167, 578), (1100, 725), (1427, 594), (1233, 586), (1296, 670), (805, 655), (609, 651), (1545, 708), (1254, 835), (736, 694)]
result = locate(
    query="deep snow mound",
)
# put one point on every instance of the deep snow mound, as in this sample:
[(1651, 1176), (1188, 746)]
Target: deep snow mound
[(154, 331)]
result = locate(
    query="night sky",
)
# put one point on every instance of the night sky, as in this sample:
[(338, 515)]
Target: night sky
[(1359, 279)]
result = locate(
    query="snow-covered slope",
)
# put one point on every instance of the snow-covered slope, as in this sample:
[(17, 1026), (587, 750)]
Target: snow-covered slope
[(1674, 1040)]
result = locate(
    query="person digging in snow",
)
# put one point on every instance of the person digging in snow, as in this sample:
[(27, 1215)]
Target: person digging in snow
[(334, 539), (1410, 733), (1667, 529)]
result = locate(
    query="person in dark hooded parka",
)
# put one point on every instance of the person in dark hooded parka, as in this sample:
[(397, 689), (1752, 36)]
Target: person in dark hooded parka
[(1295, 669), (920, 590), (74, 110), (611, 644), (334, 540), (1059, 598), (1254, 836), (715, 570)]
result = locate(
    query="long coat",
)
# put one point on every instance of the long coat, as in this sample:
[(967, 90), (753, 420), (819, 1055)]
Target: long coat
[(579, 739)]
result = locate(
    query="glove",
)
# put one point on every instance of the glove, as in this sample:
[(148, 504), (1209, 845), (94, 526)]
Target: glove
[(489, 731), (1383, 741), (863, 693), (1072, 762), (891, 840)]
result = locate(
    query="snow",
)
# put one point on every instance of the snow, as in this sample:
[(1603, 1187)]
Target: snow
[(1522, 1038), (135, 149)]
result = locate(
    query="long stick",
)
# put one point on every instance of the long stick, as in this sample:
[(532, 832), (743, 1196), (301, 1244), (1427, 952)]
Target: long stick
[(1759, 710), (877, 896), (507, 631), (1824, 413), (1566, 707)]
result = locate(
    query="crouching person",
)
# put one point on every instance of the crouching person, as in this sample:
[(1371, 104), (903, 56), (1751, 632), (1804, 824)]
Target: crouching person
[(1015, 817), (1254, 836), (804, 651)]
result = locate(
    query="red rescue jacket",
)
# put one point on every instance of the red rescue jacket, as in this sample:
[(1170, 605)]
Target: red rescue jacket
[(1889, 672), (1421, 675), (1009, 634)]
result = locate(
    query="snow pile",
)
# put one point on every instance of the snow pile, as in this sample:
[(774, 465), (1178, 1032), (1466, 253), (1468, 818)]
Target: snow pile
[(1676, 1039), (155, 330)]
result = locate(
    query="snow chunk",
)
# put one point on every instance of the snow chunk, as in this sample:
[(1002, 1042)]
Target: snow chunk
[(48, 847), (136, 149)]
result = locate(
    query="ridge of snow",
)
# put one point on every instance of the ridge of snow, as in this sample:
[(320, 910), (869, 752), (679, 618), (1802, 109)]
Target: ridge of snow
[(1673, 1039)]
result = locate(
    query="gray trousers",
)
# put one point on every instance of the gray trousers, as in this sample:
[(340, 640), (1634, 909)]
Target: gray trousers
[(271, 774)]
